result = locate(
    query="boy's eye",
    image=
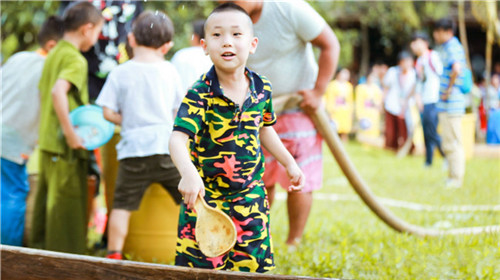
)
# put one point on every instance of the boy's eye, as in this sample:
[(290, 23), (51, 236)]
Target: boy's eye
[(237, 34), (216, 34)]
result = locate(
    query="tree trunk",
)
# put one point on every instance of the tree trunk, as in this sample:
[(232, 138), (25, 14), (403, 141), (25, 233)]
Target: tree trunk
[(365, 50), (463, 31)]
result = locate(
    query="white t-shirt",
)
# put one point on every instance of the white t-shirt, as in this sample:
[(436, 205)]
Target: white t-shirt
[(399, 87), (20, 105), (432, 67), (147, 96), (284, 54), (191, 63)]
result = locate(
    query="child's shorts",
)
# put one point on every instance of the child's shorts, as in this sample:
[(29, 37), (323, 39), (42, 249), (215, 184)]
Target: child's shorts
[(298, 133), (135, 175)]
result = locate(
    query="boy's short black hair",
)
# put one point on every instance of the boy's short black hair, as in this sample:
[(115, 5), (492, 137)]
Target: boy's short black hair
[(80, 13), (229, 6), (198, 28), (52, 29), (153, 29), (446, 24), (420, 35)]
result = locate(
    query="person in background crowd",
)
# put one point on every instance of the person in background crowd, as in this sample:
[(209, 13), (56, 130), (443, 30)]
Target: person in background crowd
[(339, 102), (21, 97), (398, 83), (429, 68), (192, 62), (451, 99), (60, 209)]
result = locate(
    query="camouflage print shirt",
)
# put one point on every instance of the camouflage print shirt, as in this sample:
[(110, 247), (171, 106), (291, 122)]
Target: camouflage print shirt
[(225, 144)]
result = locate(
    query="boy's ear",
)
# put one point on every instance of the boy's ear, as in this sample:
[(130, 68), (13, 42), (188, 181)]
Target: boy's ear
[(254, 43), (86, 28), (204, 46), (166, 47), (131, 40), (49, 45)]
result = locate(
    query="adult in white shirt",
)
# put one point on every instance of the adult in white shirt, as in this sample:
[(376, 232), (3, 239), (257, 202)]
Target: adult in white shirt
[(192, 62), (287, 32), (429, 68), (398, 84)]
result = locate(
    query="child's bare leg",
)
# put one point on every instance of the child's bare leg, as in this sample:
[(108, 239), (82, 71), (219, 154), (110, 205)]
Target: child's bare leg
[(299, 206), (118, 229), (271, 191)]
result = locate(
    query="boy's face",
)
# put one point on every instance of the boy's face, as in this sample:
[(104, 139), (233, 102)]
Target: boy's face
[(441, 35), (229, 40), (406, 63), (91, 33), (418, 46)]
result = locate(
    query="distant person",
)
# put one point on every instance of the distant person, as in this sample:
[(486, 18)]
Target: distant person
[(368, 107), (20, 119), (339, 101), (493, 94), (398, 84), (60, 210), (192, 62), (216, 145), (429, 69), (287, 32), (451, 99), (142, 95)]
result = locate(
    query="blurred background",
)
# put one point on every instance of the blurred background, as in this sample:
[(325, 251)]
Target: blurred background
[(369, 31)]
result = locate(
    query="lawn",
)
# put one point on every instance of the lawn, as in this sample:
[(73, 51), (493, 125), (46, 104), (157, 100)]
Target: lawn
[(343, 239)]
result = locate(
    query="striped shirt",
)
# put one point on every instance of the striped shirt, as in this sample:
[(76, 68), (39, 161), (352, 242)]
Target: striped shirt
[(451, 52)]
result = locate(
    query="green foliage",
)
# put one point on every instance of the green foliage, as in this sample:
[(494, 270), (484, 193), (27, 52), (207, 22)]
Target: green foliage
[(348, 39), (21, 21), (182, 14), (344, 239)]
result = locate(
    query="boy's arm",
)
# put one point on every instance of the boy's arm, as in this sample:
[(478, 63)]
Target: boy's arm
[(456, 69), (112, 116), (61, 107), (271, 141), (191, 183)]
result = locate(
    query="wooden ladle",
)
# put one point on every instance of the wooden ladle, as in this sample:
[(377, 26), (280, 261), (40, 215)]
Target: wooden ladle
[(215, 231)]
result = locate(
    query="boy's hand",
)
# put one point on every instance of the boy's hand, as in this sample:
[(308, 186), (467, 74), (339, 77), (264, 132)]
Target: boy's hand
[(296, 177), (74, 141), (190, 187)]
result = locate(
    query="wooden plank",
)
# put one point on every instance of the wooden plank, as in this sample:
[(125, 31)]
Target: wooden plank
[(27, 264)]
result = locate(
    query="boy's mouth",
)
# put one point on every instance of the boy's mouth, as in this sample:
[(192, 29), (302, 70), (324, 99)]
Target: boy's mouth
[(228, 54)]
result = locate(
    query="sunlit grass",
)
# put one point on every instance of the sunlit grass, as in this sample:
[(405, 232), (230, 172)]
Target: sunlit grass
[(343, 239)]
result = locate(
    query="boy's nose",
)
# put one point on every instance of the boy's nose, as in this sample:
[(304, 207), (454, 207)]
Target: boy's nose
[(228, 42)]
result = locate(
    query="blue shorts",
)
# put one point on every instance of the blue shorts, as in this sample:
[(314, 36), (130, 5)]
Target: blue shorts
[(14, 191)]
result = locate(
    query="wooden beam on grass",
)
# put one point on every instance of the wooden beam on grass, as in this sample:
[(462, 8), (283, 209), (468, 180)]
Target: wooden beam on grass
[(28, 264)]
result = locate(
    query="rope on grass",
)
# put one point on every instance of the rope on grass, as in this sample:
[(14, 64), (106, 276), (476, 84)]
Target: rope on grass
[(403, 204), (321, 121)]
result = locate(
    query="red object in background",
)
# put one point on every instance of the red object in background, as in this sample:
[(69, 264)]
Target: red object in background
[(482, 117)]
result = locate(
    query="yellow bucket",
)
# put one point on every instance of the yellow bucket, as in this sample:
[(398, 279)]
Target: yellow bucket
[(468, 134), (152, 234)]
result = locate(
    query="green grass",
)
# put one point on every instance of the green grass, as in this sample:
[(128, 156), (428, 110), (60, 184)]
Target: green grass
[(343, 239)]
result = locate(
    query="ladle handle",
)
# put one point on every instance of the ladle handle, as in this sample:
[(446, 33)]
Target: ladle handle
[(200, 204)]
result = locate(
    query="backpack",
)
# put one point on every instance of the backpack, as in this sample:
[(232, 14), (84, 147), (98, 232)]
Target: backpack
[(467, 82)]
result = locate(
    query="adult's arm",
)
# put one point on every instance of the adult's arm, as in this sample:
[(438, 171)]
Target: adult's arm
[(329, 47)]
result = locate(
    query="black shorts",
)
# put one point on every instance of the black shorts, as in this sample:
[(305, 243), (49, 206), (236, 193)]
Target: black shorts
[(135, 175)]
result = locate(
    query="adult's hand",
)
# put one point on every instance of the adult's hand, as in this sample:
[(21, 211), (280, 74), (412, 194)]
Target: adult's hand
[(311, 100)]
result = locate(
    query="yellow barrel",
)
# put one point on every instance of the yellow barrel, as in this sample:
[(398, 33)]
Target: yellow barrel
[(468, 134), (152, 234)]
